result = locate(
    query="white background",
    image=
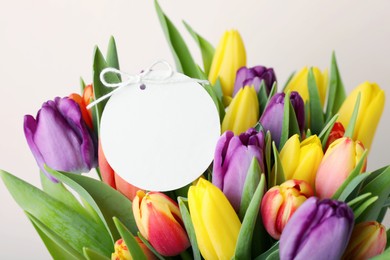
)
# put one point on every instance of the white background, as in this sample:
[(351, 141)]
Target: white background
[(46, 45)]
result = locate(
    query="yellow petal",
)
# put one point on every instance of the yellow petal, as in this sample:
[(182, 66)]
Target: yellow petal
[(290, 156)]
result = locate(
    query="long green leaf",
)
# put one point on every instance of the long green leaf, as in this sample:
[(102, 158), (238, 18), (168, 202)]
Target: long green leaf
[(148, 245), (207, 50), (324, 135), (336, 93), (316, 113), (217, 101), (251, 182), (57, 247), (130, 241), (277, 176), (356, 201), (112, 54), (244, 241), (73, 227), (268, 153), (363, 208), (269, 252), (185, 214), (352, 188), (106, 201), (91, 254), (180, 51), (351, 125)]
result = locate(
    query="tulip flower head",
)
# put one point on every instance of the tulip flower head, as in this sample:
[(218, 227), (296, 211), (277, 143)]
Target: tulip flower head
[(83, 103), (253, 77), (229, 56), (337, 132), (280, 202), (317, 230), (372, 102), (232, 158), (339, 160), (300, 160), (299, 83), (368, 240), (243, 111), (59, 137), (159, 220), (215, 222), (272, 117), (122, 251)]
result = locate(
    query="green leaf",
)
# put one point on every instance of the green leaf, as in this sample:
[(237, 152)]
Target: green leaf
[(151, 248), (244, 241), (59, 192), (316, 113), (205, 47), (262, 97), (324, 135), (77, 230), (380, 187), (269, 253), (286, 121), (185, 214), (82, 85), (277, 176), (181, 54), (351, 125), (385, 255), (355, 172), (363, 208), (57, 247), (217, 88), (268, 151), (353, 203), (336, 93), (130, 241), (251, 182), (99, 90), (106, 201), (352, 189), (288, 80), (112, 54), (217, 101), (91, 254)]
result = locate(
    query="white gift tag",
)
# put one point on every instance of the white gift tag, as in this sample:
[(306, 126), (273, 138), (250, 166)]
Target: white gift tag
[(160, 135)]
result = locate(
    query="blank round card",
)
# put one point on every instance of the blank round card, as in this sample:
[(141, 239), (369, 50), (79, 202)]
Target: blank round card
[(160, 135)]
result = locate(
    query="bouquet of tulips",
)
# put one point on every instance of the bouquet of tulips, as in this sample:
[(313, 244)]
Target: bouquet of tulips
[(288, 180)]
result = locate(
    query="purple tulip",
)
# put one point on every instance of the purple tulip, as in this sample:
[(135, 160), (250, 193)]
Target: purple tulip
[(60, 138), (233, 156), (253, 76), (272, 117), (317, 230)]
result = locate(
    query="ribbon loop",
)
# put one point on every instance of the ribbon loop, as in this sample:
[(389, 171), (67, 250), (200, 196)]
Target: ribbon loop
[(129, 80)]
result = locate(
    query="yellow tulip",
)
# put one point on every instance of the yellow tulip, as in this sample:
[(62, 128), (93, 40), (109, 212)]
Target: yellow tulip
[(372, 102), (300, 160), (215, 222), (228, 58), (243, 111), (299, 83)]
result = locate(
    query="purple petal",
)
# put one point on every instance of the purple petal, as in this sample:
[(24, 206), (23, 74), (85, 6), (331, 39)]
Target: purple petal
[(219, 168), (299, 108)]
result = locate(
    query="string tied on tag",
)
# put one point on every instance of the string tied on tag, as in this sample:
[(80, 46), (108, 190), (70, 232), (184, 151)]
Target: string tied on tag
[(135, 79)]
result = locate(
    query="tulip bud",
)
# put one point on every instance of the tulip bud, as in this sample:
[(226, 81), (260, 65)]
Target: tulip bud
[(372, 102), (110, 177), (159, 220), (300, 160), (215, 222), (368, 240), (83, 102), (228, 58), (232, 158), (253, 77), (60, 138), (337, 132), (317, 230), (272, 118), (243, 111), (339, 160), (280, 202), (299, 83), (122, 252)]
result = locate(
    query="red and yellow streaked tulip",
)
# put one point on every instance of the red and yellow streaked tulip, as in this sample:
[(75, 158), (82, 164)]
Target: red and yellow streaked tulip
[(280, 202), (229, 56), (339, 160), (243, 111), (368, 239), (372, 102), (159, 220), (337, 132), (299, 83), (122, 252), (215, 222), (300, 160)]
